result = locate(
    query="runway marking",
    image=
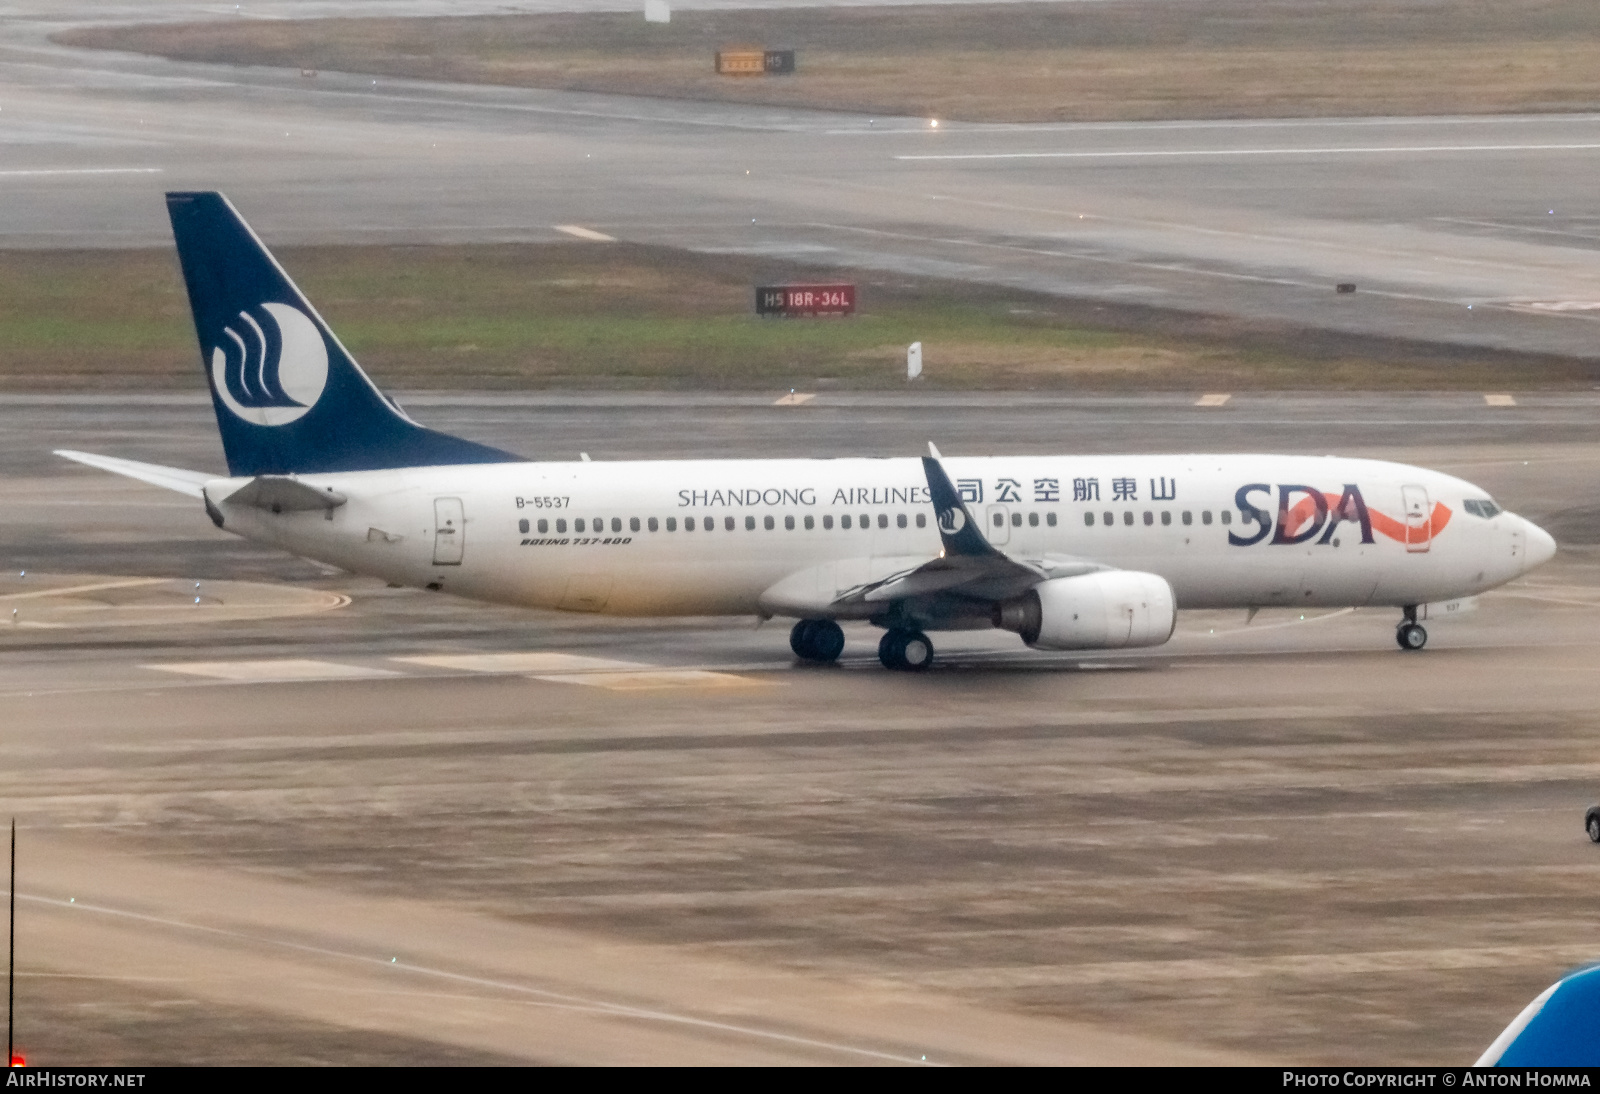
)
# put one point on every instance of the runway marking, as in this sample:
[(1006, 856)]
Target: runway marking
[(273, 671), (1315, 965), (1499, 400), (656, 679), (585, 233), (573, 668), (1171, 153), (795, 398), (69, 590), (511, 663), (563, 1000), (80, 171), (1212, 400)]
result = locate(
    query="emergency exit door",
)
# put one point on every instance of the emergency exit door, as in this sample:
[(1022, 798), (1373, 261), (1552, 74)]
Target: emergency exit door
[(998, 526), (449, 531)]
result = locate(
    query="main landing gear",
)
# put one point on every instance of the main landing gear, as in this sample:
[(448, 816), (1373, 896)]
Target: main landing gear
[(818, 640), (908, 651), (1410, 634)]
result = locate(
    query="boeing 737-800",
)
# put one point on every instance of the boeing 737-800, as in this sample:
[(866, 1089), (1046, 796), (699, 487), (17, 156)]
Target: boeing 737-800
[(1069, 552)]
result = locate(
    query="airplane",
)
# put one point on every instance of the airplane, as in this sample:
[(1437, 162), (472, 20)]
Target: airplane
[(1068, 552), (1560, 1028)]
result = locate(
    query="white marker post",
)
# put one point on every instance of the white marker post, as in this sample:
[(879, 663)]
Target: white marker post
[(913, 360), (657, 11)]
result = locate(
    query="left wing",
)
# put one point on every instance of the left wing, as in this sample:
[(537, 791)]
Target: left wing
[(968, 569)]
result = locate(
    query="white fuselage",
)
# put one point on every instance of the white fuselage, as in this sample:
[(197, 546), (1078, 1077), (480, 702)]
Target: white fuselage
[(786, 536)]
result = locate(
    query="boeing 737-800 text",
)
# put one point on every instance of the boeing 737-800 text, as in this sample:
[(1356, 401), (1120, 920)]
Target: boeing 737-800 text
[(1069, 552)]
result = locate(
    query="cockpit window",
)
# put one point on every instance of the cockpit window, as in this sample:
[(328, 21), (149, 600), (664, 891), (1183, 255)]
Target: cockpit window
[(1481, 507)]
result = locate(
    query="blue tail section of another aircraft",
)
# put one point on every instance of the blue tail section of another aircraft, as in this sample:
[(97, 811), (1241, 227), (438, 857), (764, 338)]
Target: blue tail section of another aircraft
[(1561, 1028), (289, 398)]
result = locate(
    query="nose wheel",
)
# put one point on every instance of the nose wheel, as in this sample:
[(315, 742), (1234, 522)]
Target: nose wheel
[(905, 651), (817, 640), (1411, 636)]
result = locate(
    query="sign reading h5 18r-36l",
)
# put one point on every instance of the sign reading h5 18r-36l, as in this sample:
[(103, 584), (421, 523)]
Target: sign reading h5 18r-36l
[(791, 301)]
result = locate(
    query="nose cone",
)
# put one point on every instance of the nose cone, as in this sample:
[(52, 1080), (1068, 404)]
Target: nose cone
[(1541, 546)]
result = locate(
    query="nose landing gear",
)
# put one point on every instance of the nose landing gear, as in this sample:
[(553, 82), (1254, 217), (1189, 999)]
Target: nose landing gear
[(1410, 634), (907, 651), (818, 640)]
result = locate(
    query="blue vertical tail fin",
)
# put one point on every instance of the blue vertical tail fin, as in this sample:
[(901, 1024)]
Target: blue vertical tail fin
[(289, 397)]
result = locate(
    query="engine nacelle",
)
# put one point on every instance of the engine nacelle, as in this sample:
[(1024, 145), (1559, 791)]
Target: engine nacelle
[(1106, 610)]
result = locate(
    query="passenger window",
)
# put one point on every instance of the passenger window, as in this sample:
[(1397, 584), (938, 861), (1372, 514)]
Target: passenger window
[(688, 524), (522, 526), (1088, 520), (922, 520), (1127, 516), (788, 524), (1205, 517), (827, 522), (883, 520), (1107, 518), (653, 524), (1149, 518), (1016, 520), (866, 521), (750, 524), (1033, 520), (1188, 517), (1227, 516), (599, 525), (561, 526), (633, 524), (616, 524), (577, 525), (844, 521), (811, 522), (999, 520), (727, 523), (544, 526), (672, 524), (1166, 517), (900, 520)]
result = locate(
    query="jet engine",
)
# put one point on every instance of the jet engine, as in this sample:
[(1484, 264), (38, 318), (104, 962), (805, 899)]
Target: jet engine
[(1108, 609)]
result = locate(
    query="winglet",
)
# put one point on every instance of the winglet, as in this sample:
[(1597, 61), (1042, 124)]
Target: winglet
[(957, 528), (934, 452)]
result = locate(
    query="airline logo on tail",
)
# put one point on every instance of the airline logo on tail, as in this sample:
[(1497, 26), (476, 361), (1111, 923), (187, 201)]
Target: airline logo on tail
[(270, 366)]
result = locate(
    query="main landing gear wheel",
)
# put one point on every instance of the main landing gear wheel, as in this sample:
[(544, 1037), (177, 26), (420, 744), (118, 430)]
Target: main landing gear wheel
[(1411, 636), (819, 640), (906, 651)]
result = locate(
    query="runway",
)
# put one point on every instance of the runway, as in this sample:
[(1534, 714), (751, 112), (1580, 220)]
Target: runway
[(1251, 218), (584, 840)]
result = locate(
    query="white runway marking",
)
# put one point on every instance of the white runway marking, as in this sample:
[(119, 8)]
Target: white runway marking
[(1168, 153), (795, 398), (553, 998), (585, 233), (81, 171), (1213, 400), (523, 662), (596, 672), (273, 671), (1499, 400)]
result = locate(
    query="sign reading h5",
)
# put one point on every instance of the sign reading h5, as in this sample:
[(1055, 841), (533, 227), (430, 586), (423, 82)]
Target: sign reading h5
[(1305, 513)]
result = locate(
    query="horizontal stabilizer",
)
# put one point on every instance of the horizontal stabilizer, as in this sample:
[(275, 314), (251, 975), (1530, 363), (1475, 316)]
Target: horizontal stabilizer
[(168, 478), (285, 495)]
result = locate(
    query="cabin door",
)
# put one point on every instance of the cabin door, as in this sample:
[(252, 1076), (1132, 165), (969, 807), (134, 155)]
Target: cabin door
[(449, 531), (998, 525), (1419, 518)]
